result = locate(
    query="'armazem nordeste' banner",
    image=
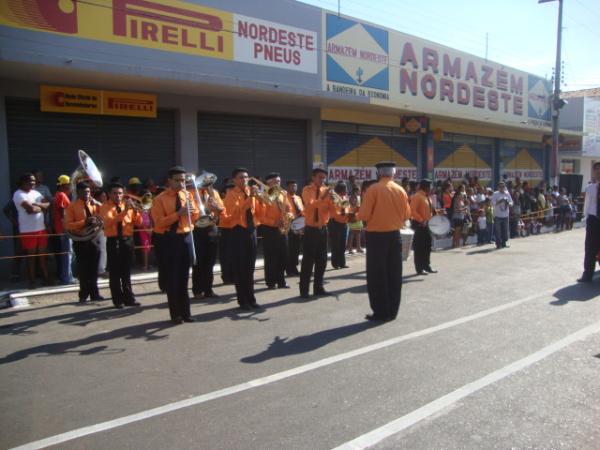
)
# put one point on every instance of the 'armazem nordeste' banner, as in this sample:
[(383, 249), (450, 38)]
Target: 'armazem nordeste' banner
[(402, 71), (172, 26)]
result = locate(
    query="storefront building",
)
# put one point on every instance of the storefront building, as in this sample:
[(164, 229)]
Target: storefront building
[(581, 115), (269, 85)]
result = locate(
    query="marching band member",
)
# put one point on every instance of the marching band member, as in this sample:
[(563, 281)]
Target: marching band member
[(80, 214), (294, 238), (170, 211), (272, 217), (385, 208), (241, 206), (119, 219), (422, 211), (338, 229), (224, 240), (591, 212), (206, 238), (318, 206)]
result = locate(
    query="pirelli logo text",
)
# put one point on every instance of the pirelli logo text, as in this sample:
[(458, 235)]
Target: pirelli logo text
[(163, 25)]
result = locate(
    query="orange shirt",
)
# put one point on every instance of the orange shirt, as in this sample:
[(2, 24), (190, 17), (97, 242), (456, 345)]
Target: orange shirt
[(127, 217), (447, 198), (237, 202), (312, 203), (75, 215), (271, 215), (420, 207), (384, 206), (164, 214), (225, 219), (295, 202)]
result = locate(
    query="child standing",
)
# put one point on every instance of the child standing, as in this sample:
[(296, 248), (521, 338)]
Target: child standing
[(355, 225), (482, 233)]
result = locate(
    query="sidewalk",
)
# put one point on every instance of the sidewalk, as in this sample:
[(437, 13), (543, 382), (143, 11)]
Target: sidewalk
[(17, 297)]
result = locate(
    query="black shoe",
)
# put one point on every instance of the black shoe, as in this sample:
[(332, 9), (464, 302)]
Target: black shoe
[(321, 292), (283, 286), (374, 318), (271, 286), (304, 295), (430, 270), (211, 294), (256, 306), (421, 272), (189, 319), (344, 267), (82, 300), (119, 306), (292, 273), (584, 279), (177, 321), (245, 307), (98, 298), (335, 267), (133, 303)]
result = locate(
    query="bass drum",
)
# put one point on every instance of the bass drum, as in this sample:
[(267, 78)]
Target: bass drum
[(439, 226), (297, 225)]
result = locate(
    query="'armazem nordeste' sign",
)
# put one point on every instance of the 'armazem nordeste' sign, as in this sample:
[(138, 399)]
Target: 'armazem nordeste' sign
[(394, 69)]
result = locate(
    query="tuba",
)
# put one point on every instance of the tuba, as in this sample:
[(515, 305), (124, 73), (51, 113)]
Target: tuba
[(203, 180), (87, 170)]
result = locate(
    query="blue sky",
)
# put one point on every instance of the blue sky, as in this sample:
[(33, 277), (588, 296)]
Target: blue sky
[(521, 33)]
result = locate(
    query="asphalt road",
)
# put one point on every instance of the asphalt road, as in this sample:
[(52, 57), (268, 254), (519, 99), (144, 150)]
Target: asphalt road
[(500, 349)]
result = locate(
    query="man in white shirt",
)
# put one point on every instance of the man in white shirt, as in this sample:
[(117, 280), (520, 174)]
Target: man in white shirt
[(591, 211), (31, 206), (501, 202)]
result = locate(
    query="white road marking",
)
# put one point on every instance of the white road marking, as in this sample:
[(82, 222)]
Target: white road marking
[(379, 434), (170, 407)]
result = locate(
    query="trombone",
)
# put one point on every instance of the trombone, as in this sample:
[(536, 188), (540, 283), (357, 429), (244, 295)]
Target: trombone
[(267, 194), (143, 203)]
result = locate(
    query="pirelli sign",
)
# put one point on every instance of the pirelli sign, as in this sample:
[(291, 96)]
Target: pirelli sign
[(169, 25), (90, 101)]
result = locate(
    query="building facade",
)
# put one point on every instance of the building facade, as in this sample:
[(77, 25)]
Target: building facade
[(581, 115), (273, 86)]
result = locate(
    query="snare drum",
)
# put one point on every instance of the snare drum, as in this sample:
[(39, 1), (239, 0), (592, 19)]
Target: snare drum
[(439, 226), (297, 226)]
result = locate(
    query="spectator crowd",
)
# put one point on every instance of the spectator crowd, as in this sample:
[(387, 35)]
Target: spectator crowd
[(516, 209)]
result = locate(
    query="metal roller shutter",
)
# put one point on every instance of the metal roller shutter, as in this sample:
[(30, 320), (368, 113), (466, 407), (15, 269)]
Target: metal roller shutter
[(120, 146), (260, 144)]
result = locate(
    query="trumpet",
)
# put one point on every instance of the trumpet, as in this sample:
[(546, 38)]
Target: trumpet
[(143, 203)]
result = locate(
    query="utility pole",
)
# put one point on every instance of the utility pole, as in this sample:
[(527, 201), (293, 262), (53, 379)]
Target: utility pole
[(557, 103)]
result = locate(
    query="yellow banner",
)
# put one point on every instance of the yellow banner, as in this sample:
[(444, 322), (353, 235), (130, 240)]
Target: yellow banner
[(128, 104), (70, 100), (89, 101), (169, 25)]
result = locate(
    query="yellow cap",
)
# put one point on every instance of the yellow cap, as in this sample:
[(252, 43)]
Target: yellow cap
[(62, 180), (134, 180)]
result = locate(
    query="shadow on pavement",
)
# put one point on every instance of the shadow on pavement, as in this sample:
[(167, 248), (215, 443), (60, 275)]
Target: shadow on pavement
[(147, 331), (482, 251), (88, 313), (579, 292), (281, 347)]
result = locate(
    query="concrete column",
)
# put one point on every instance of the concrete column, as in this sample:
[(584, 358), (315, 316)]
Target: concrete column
[(5, 189), (316, 151), (187, 152)]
